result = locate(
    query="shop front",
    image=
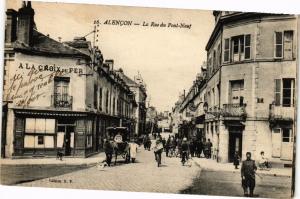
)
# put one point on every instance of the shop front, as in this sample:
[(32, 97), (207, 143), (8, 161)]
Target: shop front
[(41, 133)]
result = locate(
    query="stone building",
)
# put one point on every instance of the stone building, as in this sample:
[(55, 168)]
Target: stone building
[(57, 96), (138, 87), (251, 84)]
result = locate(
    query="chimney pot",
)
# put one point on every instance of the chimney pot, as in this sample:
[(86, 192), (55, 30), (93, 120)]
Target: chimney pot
[(11, 26), (25, 24)]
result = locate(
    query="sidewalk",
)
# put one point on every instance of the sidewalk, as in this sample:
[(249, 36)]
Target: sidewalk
[(90, 161), (210, 164)]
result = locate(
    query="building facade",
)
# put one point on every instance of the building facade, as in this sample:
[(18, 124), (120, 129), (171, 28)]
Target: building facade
[(138, 87), (57, 96), (188, 114), (251, 81)]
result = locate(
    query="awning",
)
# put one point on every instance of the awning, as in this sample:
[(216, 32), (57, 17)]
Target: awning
[(50, 113)]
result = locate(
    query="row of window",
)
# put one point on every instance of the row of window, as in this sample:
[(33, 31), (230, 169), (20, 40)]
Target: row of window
[(238, 48), (113, 105)]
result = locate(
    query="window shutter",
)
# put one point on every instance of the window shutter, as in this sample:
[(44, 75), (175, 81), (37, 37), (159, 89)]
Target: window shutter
[(226, 50), (288, 45), (247, 46), (277, 92)]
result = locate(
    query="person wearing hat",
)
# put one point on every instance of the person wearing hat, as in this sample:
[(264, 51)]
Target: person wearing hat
[(248, 175), (184, 150), (108, 149), (158, 149)]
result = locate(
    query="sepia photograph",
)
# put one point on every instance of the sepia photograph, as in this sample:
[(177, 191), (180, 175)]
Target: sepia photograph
[(142, 99)]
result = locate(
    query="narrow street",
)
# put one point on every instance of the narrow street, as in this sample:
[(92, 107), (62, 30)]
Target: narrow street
[(142, 176), (224, 183), (171, 177)]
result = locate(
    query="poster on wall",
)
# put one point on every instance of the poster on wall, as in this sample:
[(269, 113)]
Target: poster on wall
[(164, 100)]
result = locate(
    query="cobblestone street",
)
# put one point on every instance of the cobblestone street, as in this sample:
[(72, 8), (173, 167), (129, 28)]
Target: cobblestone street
[(144, 176)]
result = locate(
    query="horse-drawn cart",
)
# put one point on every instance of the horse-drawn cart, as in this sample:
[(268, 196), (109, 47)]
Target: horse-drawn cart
[(120, 137)]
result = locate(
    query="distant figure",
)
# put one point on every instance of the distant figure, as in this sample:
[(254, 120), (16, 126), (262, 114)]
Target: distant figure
[(133, 150), (209, 147), (158, 148), (236, 160), (263, 162), (248, 175), (108, 149), (164, 143), (205, 148), (199, 148), (184, 151), (168, 144), (192, 147)]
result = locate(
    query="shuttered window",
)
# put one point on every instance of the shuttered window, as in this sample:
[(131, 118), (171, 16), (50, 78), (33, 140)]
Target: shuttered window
[(247, 46), (226, 50), (288, 45), (277, 92), (278, 44)]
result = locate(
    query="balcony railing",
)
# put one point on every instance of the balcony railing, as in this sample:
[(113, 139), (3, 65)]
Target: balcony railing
[(281, 113), (234, 110), (62, 101)]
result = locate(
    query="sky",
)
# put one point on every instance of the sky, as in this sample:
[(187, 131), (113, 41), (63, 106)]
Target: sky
[(168, 59)]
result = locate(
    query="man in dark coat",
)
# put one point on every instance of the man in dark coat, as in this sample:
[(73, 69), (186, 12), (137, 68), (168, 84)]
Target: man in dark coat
[(248, 175), (185, 150), (108, 149)]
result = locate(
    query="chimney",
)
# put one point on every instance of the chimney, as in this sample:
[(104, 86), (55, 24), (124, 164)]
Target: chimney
[(11, 26), (25, 24)]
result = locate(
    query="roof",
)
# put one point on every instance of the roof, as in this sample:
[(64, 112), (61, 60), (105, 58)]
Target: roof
[(44, 45), (126, 79)]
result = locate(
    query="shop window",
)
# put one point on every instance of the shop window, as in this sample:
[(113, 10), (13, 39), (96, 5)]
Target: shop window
[(39, 133)]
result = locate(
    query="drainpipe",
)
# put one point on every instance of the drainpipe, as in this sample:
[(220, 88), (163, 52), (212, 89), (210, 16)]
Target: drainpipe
[(220, 75)]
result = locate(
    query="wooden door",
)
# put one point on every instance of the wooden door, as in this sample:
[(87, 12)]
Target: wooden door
[(287, 144), (276, 142)]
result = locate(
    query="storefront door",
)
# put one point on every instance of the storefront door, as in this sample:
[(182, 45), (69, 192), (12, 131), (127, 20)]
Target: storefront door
[(65, 138), (235, 142)]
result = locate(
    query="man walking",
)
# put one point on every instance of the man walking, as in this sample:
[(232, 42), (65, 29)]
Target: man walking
[(209, 146), (248, 175), (108, 149)]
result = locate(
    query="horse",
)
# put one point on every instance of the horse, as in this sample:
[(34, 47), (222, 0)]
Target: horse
[(121, 149)]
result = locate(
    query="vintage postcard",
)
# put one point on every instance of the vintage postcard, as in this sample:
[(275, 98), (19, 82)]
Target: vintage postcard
[(142, 99)]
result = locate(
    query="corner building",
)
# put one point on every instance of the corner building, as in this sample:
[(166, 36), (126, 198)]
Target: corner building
[(57, 96), (251, 85)]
